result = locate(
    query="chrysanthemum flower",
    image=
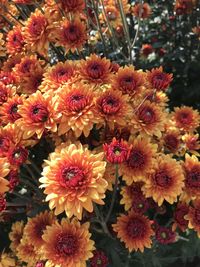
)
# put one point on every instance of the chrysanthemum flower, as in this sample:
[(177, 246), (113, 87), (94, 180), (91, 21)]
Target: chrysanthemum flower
[(111, 14), (114, 108), (146, 50), (17, 155), (38, 114), (36, 226), (71, 35), (140, 160), (148, 118), (132, 197), (16, 234), (7, 260), (117, 151), (158, 97), (134, 230), (95, 70), (68, 244), (194, 217), (172, 140), (129, 81), (184, 6), (30, 85), (165, 181), (7, 78), (192, 176), (77, 106), (35, 33), (186, 118), (26, 252), (4, 170), (180, 212), (158, 79), (73, 180), (57, 76), (15, 41), (165, 235), (141, 10), (6, 92), (74, 6), (13, 178), (9, 110), (192, 143), (99, 259)]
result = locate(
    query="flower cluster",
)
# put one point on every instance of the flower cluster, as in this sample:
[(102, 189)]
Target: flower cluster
[(89, 147)]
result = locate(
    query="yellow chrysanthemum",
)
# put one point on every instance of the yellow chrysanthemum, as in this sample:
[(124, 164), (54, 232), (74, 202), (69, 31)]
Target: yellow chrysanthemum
[(16, 234), (72, 179)]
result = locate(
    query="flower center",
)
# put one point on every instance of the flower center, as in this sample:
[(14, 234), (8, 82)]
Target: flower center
[(171, 141), (72, 176), (66, 244), (162, 178), (184, 118), (95, 70), (136, 228), (37, 26), (72, 33), (77, 102), (147, 115), (127, 84), (39, 113), (193, 177), (136, 159), (110, 105)]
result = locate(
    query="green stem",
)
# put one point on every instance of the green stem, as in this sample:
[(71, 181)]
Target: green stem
[(114, 193), (139, 23)]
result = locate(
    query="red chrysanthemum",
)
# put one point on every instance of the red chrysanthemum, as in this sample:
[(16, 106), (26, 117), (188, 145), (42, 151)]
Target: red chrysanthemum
[(117, 151), (73, 6), (165, 235), (17, 156), (158, 79), (15, 41), (5, 93), (99, 259), (194, 217), (180, 212), (146, 50), (13, 178)]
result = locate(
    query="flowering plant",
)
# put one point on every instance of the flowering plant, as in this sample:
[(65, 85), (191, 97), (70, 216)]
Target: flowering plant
[(96, 167)]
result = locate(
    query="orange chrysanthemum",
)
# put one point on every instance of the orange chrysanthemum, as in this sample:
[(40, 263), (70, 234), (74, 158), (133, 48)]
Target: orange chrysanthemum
[(36, 226), (158, 79), (141, 10), (184, 6), (2, 46), (16, 234), (129, 81), (134, 230), (140, 160), (192, 143), (26, 252), (148, 119), (73, 180), (4, 170), (95, 70), (171, 140), (186, 118), (180, 212), (73, 6), (15, 41), (111, 14), (38, 114), (194, 217), (71, 35), (35, 33), (192, 177), (68, 244), (57, 76), (77, 106), (114, 108), (165, 181), (11, 62), (7, 260), (9, 110), (6, 92)]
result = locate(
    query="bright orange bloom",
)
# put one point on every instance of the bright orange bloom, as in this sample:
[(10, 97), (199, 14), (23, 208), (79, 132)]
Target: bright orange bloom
[(186, 118), (38, 114), (57, 76), (73, 180), (36, 226), (111, 14), (158, 97), (95, 70), (35, 33), (74, 6), (180, 222), (141, 10), (192, 176), (165, 181), (148, 119), (114, 108), (193, 217), (158, 79), (71, 35), (15, 41), (4, 170), (77, 106), (7, 260), (192, 143), (9, 110), (129, 81), (6, 92), (68, 244), (134, 230), (16, 234), (140, 160)]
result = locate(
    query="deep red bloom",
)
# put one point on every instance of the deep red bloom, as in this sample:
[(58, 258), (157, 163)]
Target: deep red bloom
[(7, 77), (165, 235), (140, 204), (17, 155), (179, 216), (117, 151), (99, 259), (13, 178)]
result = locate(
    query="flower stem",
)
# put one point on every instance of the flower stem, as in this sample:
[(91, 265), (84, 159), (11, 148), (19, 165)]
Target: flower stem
[(114, 193)]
